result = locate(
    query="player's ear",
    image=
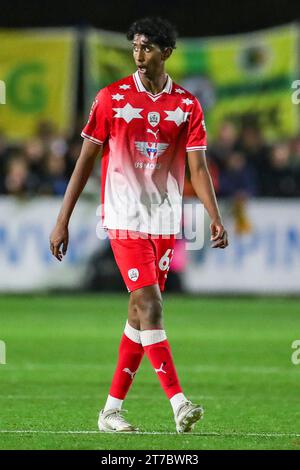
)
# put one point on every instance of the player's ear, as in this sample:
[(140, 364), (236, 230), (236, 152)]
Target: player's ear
[(167, 51)]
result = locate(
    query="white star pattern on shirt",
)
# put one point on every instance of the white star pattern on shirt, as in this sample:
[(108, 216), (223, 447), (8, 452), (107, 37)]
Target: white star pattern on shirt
[(128, 113), (187, 101), (124, 87), (180, 91), (117, 97), (178, 116)]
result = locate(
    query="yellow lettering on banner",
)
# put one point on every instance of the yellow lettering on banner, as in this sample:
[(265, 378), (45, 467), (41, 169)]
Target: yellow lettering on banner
[(2, 352), (38, 69), (26, 86), (2, 92)]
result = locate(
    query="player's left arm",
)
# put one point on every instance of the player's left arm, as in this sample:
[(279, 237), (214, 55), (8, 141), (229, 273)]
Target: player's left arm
[(203, 186)]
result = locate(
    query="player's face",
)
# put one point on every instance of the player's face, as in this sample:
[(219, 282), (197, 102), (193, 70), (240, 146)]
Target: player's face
[(149, 58)]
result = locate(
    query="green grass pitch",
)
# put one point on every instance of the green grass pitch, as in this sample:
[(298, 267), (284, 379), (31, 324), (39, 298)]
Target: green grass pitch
[(232, 355)]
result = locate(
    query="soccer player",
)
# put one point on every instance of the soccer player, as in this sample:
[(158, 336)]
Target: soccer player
[(144, 125)]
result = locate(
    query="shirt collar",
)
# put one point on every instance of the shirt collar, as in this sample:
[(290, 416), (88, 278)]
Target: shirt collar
[(140, 87)]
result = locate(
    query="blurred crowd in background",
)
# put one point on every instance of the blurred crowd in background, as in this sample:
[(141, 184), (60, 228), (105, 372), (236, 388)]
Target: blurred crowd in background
[(241, 162)]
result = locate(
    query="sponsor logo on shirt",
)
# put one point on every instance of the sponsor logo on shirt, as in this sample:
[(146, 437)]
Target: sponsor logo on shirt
[(147, 165), (151, 149), (150, 131)]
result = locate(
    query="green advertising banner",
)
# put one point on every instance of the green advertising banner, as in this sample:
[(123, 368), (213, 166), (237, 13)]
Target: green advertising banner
[(38, 68), (243, 78), (107, 58)]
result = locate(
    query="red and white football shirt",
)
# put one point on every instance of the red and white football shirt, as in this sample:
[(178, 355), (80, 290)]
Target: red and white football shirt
[(145, 138)]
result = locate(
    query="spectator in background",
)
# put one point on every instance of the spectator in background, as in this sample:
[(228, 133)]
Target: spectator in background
[(55, 181), (295, 153), (35, 155), (295, 162), (19, 181), (257, 171), (45, 132), (224, 145), (239, 177), (256, 151), (53, 141), (281, 179), (4, 154)]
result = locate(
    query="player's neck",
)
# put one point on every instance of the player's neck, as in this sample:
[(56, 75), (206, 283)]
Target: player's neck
[(154, 84)]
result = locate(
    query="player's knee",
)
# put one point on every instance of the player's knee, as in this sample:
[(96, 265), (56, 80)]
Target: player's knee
[(149, 310), (153, 314), (133, 319)]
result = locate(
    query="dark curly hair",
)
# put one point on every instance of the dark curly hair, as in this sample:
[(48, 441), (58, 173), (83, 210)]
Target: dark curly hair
[(158, 30)]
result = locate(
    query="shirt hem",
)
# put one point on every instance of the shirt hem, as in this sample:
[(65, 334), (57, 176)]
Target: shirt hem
[(142, 230)]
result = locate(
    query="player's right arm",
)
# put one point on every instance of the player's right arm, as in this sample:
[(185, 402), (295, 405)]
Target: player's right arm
[(60, 234)]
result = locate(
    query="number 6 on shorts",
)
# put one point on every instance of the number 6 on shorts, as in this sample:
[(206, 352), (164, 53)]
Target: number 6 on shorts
[(165, 260)]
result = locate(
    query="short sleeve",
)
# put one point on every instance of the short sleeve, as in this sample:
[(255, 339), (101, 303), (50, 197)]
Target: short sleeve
[(196, 139), (98, 126)]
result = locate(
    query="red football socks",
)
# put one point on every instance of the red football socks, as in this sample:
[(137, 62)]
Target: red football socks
[(132, 347), (158, 351), (130, 355)]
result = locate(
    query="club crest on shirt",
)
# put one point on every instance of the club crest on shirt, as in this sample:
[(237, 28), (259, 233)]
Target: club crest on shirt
[(133, 274), (153, 118), (151, 149)]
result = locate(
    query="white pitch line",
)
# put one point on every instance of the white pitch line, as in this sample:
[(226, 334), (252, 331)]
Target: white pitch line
[(94, 398), (209, 368), (157, 433)]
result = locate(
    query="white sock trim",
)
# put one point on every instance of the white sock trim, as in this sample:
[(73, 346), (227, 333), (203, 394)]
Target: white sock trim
[(113, 403), (149, 337), (132, 333), (177, 400)]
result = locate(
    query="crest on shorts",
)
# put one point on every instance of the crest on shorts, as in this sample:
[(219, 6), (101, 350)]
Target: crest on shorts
[(153, 118), (133, 274)]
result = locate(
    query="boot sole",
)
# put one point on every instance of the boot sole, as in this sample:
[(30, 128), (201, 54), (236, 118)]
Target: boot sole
[(189, 420)]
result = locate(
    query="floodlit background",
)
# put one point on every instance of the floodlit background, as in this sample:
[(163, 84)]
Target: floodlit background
[(247, 84), (242, 62)]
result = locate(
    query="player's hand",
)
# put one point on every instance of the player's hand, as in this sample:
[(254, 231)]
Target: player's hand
[(59, 239), (219, 235)]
